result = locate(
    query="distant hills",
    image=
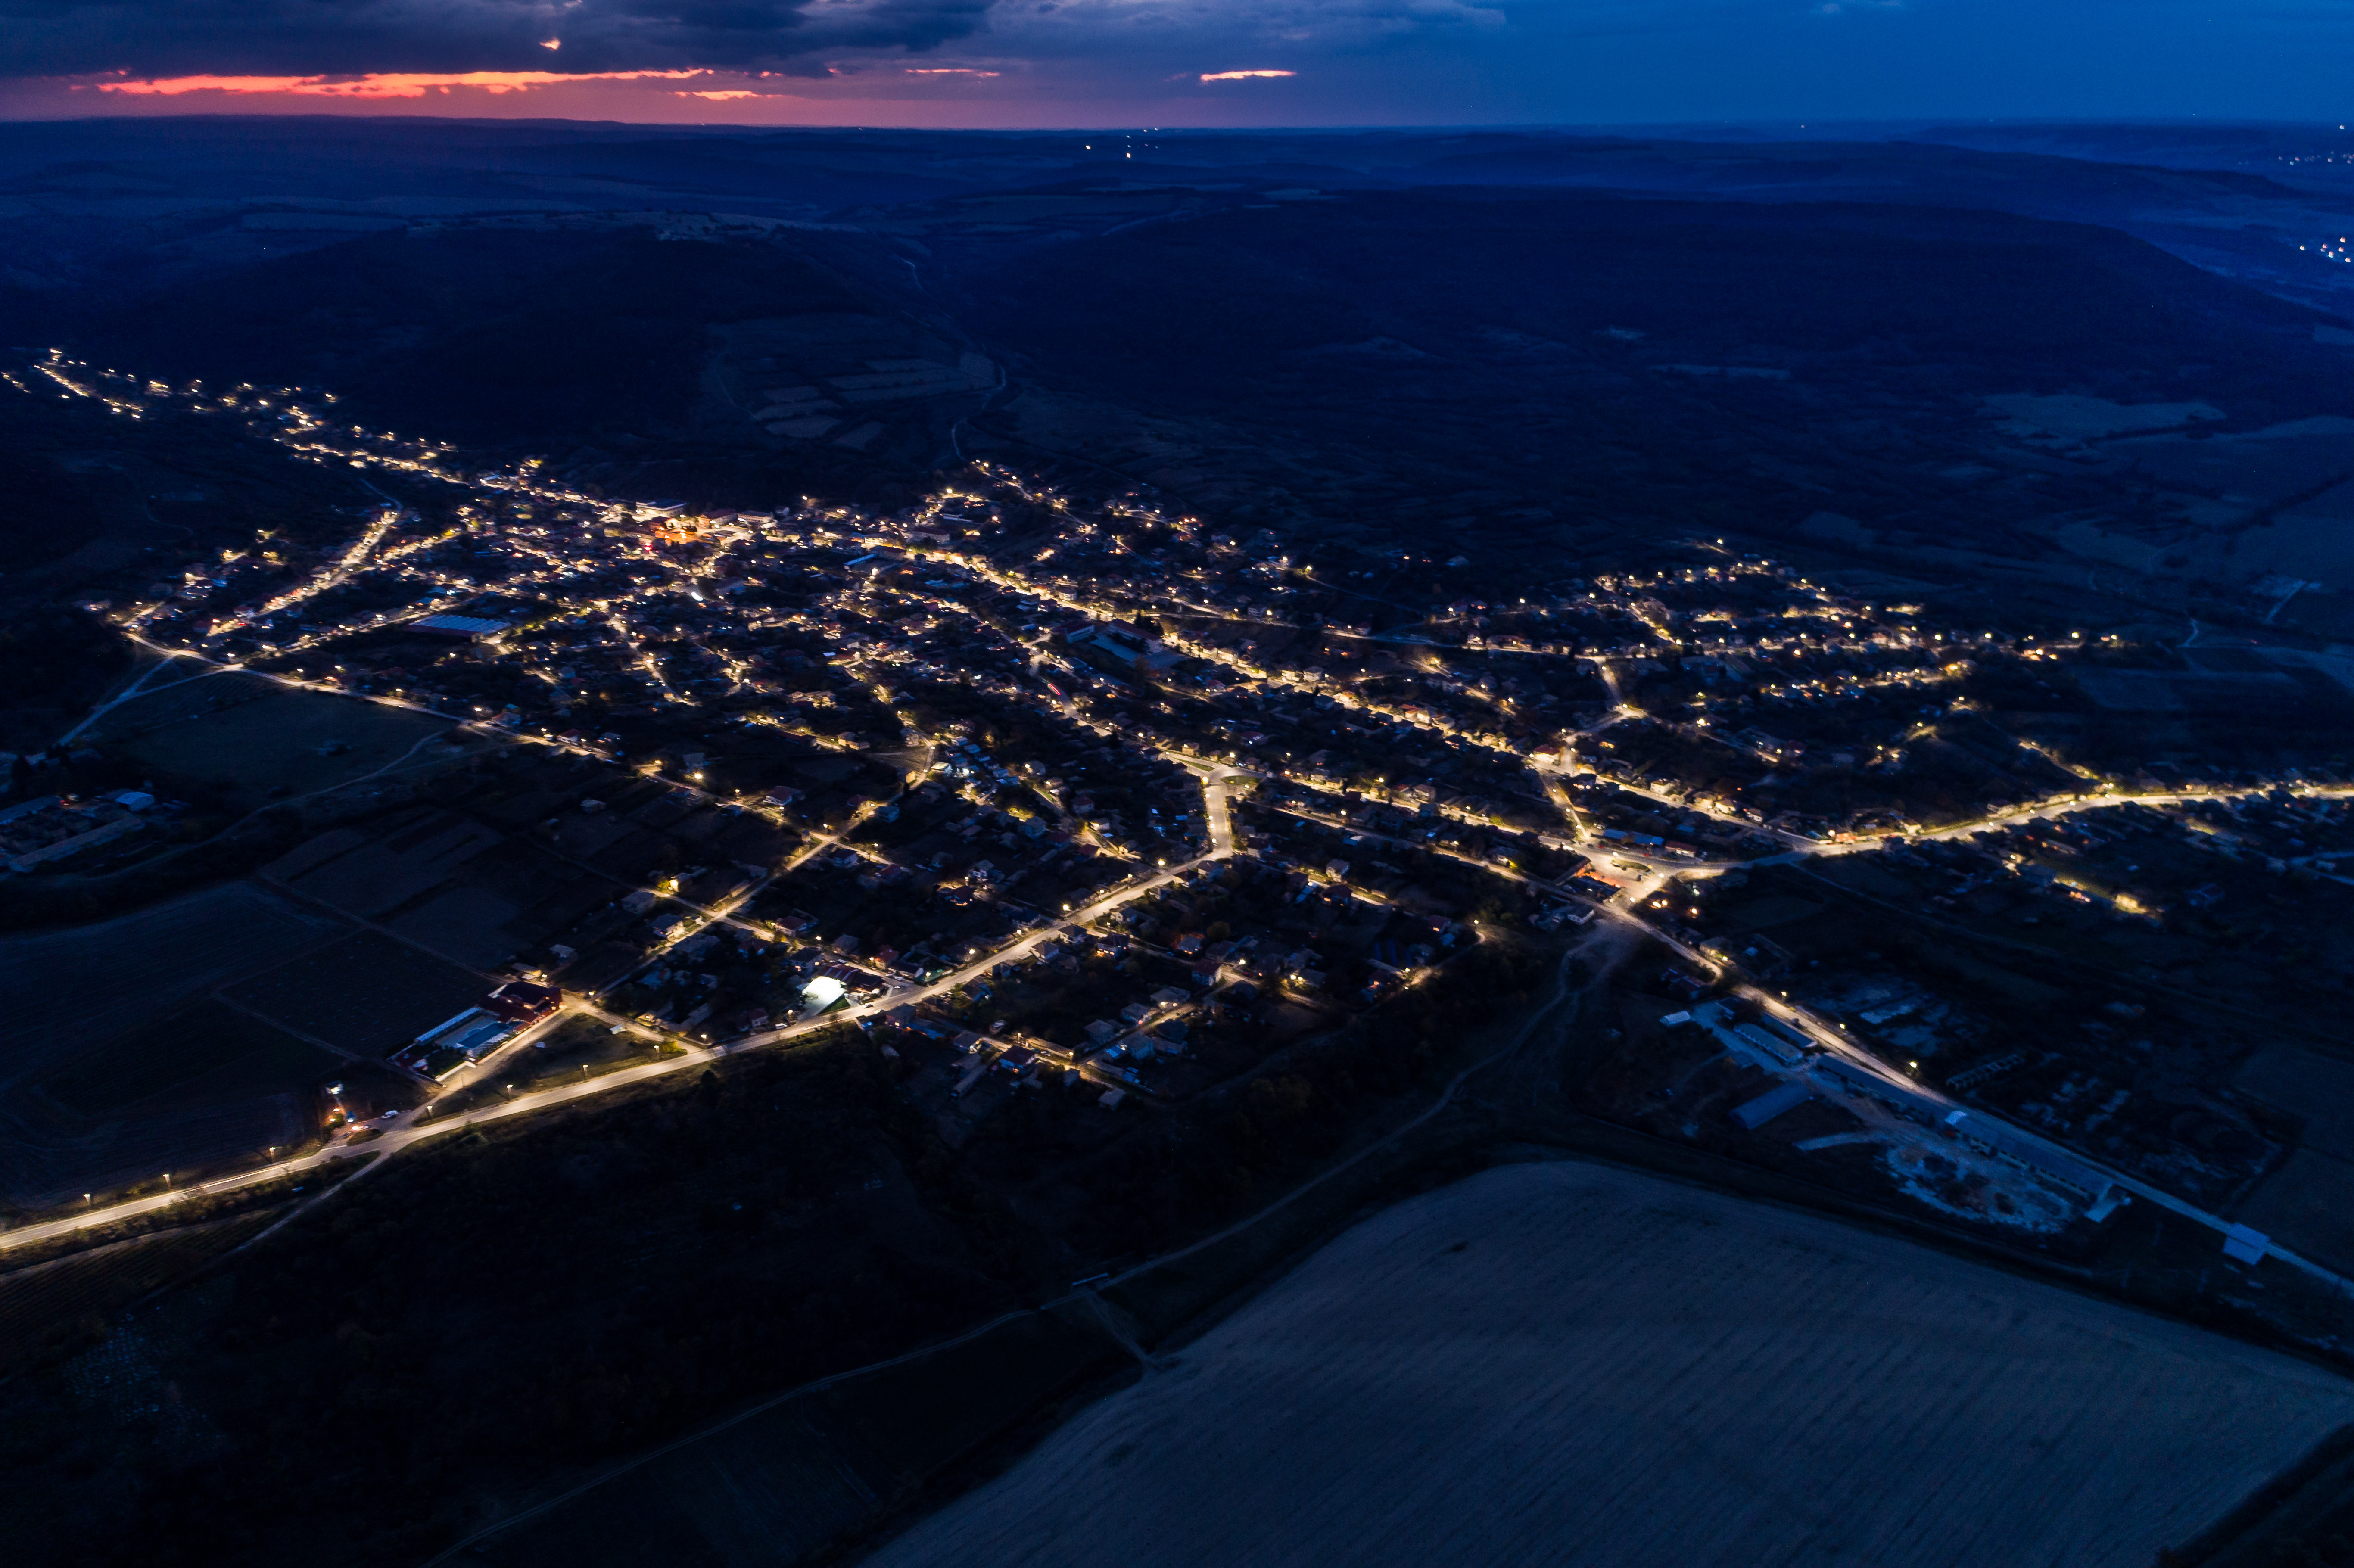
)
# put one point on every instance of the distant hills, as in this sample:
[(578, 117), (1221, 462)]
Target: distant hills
[(1509, 337)]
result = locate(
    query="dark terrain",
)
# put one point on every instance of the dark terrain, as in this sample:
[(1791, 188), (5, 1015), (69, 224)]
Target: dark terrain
[(1450, 366)]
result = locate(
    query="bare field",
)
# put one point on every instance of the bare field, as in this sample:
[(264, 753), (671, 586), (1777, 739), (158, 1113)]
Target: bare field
[(210, 1051), (1564, 1363), (44, 1164), (2305, 1083), (178, 698), (2308, 1202), (2307, 1205), (96, 1017), (274, 741), (65, 993), (367, 994), (50, 1302), (463, 890)]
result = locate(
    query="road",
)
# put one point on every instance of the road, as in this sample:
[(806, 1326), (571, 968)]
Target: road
[(1651, 869), (420, 1126), (166, 659), (1834, 1042), (1216, 777), (2068, 805)]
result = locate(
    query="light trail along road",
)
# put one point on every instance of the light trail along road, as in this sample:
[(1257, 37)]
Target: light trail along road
[(411, 1128)]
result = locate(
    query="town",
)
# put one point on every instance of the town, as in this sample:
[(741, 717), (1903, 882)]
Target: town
[(1054, 791)]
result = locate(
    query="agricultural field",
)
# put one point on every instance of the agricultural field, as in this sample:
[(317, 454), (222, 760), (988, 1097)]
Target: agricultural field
[(365, 994), (2307, 1205), (2307, 1202), (113, 1069), (783, 1486), (49, 1157), (1569, 1364), (45, 1303), (68, 990), (257, 744), (210, 1051), (178, 696), (457, 886), (2320, 1089)]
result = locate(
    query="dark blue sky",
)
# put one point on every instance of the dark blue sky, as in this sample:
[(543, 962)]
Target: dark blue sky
[(1189, 62)]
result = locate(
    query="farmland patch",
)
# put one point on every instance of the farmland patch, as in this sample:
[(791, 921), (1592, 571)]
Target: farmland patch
[(1564, 1363), (180, 696), (2308, 1206), (776, 1488), (48, 1158), (67, 991), (2320, 1089), (287, 740), (364, 994), (211, 1050), (46, 1303), (448, 883)]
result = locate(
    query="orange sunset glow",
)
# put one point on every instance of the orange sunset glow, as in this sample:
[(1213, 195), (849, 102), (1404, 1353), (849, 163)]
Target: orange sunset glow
[(386, 84)]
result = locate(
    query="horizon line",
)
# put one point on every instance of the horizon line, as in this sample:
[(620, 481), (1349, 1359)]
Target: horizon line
[(1110, 127)]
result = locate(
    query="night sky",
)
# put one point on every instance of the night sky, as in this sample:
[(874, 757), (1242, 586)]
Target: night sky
[(1185, 62)]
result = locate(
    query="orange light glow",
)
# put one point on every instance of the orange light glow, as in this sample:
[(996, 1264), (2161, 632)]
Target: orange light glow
[(1242, 75), (386, 84), (716, 92)]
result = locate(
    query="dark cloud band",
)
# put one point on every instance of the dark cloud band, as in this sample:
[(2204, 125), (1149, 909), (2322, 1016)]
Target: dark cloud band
[(167, 38)]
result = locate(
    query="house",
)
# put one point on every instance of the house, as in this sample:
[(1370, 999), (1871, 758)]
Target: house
[(1125, 647), (520, 1002), (466, 628)]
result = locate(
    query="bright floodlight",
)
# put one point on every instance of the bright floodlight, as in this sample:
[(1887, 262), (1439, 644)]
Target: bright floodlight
[(822, 991)]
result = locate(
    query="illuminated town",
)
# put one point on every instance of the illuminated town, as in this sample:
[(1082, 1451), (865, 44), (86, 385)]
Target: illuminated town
[(1068, 729)]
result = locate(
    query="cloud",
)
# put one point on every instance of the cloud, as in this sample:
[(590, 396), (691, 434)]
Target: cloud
[(163, 40), (1138, 43), (1242, 75), (390, 84)]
